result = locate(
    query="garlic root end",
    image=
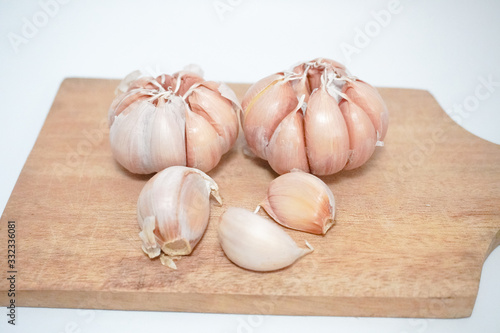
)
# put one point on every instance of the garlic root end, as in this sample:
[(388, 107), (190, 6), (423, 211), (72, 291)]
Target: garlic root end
[(311, 249), (168, 261), (149, 244)]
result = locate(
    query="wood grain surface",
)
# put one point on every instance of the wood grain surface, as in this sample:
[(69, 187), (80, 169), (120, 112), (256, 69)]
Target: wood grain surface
[(413, 226)]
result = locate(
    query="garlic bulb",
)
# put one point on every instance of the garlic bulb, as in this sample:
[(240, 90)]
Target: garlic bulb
[(255, 243), (300, 201), (172, 120), (173, 211), (316, 118)]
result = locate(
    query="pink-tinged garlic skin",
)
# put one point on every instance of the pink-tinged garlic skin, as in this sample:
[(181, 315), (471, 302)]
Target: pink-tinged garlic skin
[(172, 120), (327, 139), (205, 101), (362, 134), (334, 139), (368, 99), (287, 148), (264, 113), (173, 210), (300, 201)]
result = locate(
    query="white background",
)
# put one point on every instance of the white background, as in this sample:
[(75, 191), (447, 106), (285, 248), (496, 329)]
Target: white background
[(447, 47)]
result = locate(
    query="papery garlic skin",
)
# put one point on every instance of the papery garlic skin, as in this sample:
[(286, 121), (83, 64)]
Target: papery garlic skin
[(316, 89), (173, 211), (255, 243), (300, 201), (172, 120)]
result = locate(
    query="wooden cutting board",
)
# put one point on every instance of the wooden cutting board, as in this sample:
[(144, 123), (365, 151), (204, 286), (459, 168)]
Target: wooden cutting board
[(413, 227)]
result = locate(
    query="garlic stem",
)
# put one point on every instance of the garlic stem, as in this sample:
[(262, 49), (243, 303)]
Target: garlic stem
[(154, 82)]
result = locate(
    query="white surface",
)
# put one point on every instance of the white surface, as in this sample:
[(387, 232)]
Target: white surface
[(446, 47)]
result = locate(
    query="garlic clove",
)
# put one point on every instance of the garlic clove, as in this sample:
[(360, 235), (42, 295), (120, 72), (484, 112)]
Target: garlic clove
[(368, 99), (203, 144), (255, 243), (219, 111), (314, 77), (258, 87), (327, 137), (168, 143), (183, 80), (173, 211), (131, 89), (166, 81), (301, 201), (362, 134), (286, 149), (146, 138), (124, 101), (333, 65), (127, 81), (330, 62), (268, 108), (301, 85)]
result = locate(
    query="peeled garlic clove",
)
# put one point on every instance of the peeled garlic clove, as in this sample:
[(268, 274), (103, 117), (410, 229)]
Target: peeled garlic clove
[(287, 150), (326, 134), (362, 134), (301, 201), (265, 111), (255, 243), (146, 138), (203, 144), (368, 99), (206, 100), (173, 211)]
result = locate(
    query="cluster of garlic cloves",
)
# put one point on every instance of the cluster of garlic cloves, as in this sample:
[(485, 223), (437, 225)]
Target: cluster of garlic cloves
[(316, 118), (173, 210), (178, 119)]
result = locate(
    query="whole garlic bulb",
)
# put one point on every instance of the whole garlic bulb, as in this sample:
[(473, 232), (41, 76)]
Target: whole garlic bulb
[(316, 118), (173, 211), (255, 243), (172, 120)]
